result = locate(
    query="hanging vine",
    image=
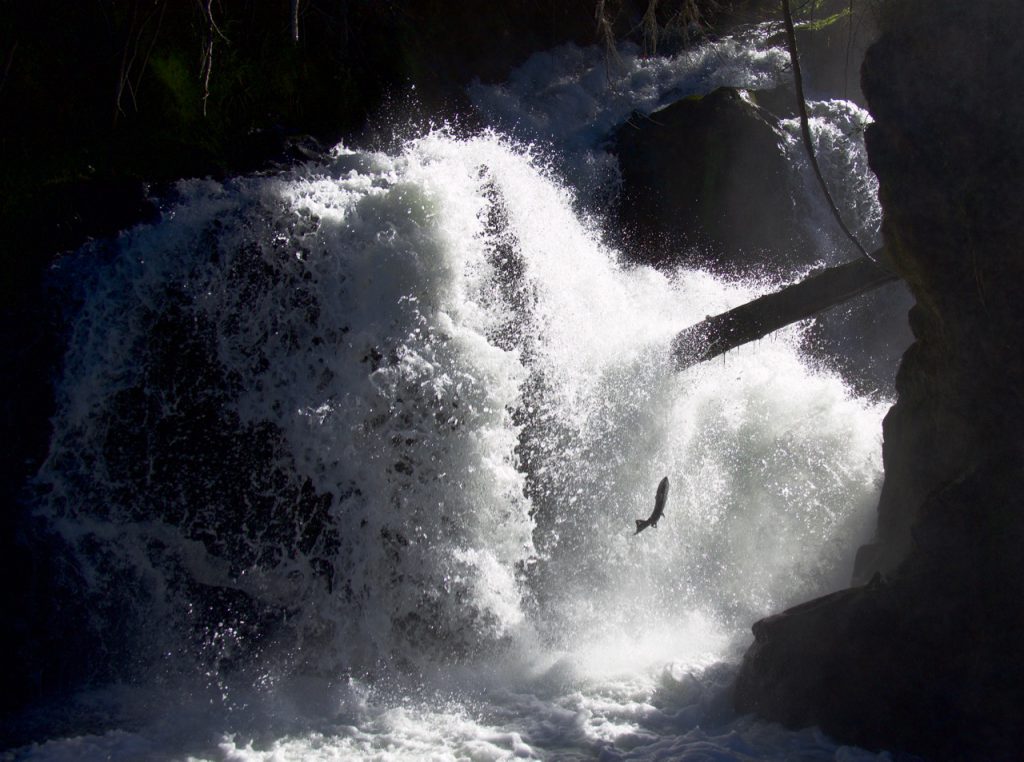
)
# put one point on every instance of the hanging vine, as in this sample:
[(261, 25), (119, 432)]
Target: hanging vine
[(139, 41), (805, 126), (206, 60)]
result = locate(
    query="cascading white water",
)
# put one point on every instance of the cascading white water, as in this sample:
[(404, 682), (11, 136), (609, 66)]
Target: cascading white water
[(837, 129), (383, 424)]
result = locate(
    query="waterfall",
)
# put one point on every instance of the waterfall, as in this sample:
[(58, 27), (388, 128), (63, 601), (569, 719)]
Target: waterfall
[(384, 423)]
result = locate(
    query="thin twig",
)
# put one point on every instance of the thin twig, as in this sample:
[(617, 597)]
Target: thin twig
[(131, 65), (133, 43), (205, 71), (805, 126), (213, 24), (606, 34), (125, 68), (7, 67), (849, 48), (690, 16), (649, 23), (206, 62), (152, 44)]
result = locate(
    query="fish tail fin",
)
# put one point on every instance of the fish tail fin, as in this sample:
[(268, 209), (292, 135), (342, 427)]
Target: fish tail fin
[(641, 525)]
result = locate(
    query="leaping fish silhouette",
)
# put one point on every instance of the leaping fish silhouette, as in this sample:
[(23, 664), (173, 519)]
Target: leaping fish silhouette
[(659, 508)]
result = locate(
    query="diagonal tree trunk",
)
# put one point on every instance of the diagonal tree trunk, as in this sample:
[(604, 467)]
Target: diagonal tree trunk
[(718, 334)]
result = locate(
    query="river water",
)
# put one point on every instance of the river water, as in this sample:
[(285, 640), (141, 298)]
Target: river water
[(347, 458)]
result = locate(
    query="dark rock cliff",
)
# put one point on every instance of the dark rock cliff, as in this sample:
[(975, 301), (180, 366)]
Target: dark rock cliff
[(928, 656)]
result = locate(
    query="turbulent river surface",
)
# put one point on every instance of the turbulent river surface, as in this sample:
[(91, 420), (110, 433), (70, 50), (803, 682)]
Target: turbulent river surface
[(346, 459)]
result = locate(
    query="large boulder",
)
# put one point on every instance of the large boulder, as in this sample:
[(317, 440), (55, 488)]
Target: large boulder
[(705, 182)]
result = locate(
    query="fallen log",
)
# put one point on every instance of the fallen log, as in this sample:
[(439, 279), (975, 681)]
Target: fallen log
[(827, 288)]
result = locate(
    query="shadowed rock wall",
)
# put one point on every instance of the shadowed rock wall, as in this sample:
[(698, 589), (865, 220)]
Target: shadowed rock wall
[(928, 655), (947, 150)]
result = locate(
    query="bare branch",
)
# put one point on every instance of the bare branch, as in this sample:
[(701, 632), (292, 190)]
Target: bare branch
[(7, 66), (717, 334), (206, 60), (649, 23)]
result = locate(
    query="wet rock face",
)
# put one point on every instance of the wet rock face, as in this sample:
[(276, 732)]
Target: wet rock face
[(928, 656), (946, 148), (701, 180)]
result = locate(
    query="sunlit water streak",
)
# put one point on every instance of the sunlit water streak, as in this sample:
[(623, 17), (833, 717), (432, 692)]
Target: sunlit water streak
[(440, 401)]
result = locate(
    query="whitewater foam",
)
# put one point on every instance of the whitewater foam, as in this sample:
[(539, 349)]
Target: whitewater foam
[(357, 449)]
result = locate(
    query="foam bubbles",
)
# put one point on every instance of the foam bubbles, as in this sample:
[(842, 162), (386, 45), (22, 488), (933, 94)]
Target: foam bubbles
[(393, 416)]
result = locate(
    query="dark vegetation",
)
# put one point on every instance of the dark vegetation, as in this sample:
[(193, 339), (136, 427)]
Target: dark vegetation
[(103, 96)]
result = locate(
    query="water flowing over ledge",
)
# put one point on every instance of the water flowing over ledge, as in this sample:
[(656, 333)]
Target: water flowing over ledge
[(353, 453)]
